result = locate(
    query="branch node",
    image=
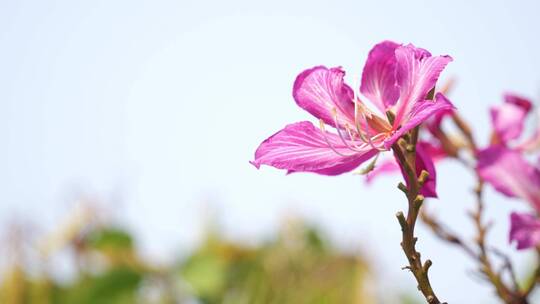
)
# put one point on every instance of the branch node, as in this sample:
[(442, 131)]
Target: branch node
[(401, 186), (424, 175), (418, 201), (426, 266), (402, 221)]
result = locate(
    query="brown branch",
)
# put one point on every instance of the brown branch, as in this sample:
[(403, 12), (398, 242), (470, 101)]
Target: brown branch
[(405, 153), (509, 295)]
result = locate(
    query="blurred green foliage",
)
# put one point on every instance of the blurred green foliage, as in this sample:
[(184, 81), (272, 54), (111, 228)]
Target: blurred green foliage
[(297, 266)]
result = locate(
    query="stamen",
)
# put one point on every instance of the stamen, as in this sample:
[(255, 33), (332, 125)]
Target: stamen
[(339, 131), (369, 139), (321, 125), (357, 122), (351, 136)]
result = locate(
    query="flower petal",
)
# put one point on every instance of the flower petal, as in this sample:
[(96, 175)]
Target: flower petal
[(416, 73), (301, 147), (319, 90), (524, 229), (509, 173), (424, 161), (532, 143), (517, 100), (508, 118), (379, 76), (420, 112), (434, 123)]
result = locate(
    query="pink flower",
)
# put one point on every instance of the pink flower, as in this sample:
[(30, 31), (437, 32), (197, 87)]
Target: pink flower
[(396, 80), (508, 120), (503, 165), (511, 174), (525, 230)]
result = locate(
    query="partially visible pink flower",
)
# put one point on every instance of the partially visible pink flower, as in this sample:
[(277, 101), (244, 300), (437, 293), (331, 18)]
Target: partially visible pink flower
[(396, 80), (504, 166), (508, 118), (508, 121), (510, 173), (524, 230)]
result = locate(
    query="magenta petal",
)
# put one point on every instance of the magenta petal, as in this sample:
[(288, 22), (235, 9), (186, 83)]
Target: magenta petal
[(434, 123), (532, 143), (347, 166), (379, 76), (509, 173), (319, 90), (301, 147), (420, 112), (424, 161), (519, 101), (416, 73), (524, 229), (508, 120), (434, 150)]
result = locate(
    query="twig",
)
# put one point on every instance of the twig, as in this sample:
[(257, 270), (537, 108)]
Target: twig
[(405, 152)]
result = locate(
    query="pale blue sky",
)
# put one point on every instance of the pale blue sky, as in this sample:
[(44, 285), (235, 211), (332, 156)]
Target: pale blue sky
[(158, 106)]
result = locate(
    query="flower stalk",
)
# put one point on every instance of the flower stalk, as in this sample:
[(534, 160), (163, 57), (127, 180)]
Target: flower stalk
[(405, 152)]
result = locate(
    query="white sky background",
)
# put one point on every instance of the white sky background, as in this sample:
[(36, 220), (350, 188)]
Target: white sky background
[(158, 107)]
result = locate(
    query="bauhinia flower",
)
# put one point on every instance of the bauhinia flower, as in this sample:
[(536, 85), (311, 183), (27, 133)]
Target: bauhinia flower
[(508, 121), (504, 165), (396, 80), (511, 174)]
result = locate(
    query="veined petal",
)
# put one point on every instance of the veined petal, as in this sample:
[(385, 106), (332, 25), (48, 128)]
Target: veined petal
[(347, 166), (509, 173), (416, 73), (420, 112), (508, 118), (379, 76), (524, 229), (301, 147), (320, 90)]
